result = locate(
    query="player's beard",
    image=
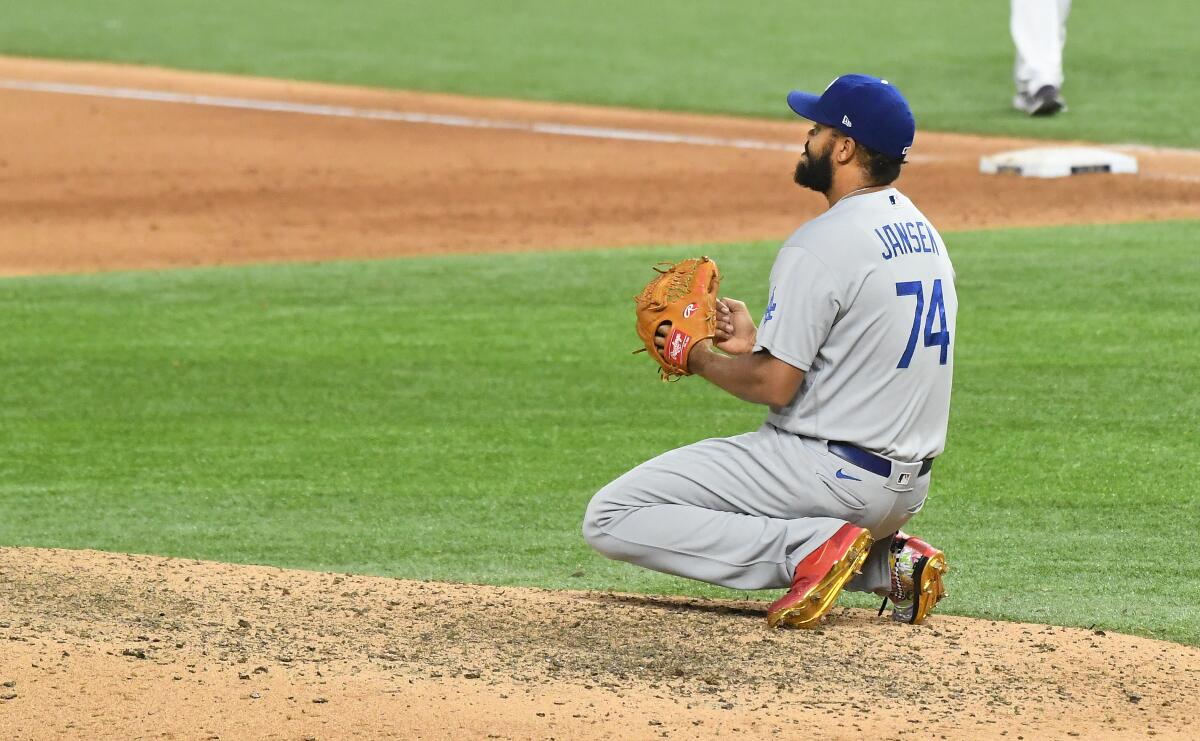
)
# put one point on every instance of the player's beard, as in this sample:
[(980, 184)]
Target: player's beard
[(815, 173)]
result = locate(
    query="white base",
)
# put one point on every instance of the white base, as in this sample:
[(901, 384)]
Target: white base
[(1057, 162)]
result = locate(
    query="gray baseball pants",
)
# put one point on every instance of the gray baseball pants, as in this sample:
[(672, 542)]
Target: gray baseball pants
[(743, 511)]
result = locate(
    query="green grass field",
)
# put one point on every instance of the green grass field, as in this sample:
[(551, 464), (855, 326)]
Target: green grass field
[(421, 418), (1128, 66)]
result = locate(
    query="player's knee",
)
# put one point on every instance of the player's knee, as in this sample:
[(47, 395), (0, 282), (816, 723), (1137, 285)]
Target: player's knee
[(599, 513)]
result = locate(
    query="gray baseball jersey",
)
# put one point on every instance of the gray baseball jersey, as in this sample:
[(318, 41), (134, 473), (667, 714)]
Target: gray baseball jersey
[(862, 299)]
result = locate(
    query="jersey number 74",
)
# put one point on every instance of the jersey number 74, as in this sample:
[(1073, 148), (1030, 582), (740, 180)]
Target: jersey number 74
[(937, 311)]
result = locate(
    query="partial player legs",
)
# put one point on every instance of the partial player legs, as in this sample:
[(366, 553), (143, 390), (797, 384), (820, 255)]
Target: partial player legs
[(728, 511), (741, 512), (1039, 32)]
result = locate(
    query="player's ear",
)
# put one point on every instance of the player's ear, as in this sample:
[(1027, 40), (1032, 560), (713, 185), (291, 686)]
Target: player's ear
[(844, 150)]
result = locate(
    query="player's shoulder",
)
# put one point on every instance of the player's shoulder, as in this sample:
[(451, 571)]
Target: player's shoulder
[(823, 237), (804, 256), (817, 231), (805, 244)]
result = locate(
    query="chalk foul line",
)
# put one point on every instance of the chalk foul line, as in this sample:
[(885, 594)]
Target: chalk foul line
[(380, 114)]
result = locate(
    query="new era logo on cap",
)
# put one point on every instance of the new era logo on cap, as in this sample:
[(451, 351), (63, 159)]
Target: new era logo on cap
[(846, 122)]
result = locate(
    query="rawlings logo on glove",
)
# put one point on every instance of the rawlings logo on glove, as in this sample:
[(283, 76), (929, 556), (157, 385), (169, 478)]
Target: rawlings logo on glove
[(684, 295), (677, 344)]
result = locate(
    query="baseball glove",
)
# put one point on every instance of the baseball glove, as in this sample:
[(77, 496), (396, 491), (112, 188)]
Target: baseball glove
[(684, 294)]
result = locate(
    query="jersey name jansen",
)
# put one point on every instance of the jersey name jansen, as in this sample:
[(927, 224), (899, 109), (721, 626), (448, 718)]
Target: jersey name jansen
[(906, 238)]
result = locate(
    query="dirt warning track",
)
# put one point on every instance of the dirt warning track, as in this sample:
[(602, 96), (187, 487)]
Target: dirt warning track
[(108, 168)]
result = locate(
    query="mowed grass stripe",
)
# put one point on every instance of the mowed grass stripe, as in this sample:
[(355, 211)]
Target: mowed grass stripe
[(448, 418)]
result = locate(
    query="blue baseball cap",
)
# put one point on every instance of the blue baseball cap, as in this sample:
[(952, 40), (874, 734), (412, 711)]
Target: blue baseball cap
[(864, 108)]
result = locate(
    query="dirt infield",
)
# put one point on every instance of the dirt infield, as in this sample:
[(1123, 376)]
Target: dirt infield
[(96, 645), (100, 183)]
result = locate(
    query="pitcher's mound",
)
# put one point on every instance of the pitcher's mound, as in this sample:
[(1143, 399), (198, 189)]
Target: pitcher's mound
[(100, 645)]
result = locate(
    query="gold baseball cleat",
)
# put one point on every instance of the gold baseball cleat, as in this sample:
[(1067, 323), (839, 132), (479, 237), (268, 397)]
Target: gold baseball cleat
[(918, 571), (819, 579)]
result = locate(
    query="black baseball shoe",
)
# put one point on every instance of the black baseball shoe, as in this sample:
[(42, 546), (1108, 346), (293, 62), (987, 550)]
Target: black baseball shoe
[(1045, 102)]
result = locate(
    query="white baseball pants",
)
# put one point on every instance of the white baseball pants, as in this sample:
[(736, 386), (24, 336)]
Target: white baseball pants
[(1039, 31)]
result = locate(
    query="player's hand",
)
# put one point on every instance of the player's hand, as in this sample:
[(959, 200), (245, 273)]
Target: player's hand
[(664, 329), (736, 332), (660, 337)]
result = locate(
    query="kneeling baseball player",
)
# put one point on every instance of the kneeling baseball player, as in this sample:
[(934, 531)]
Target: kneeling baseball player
[(853, 357)]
